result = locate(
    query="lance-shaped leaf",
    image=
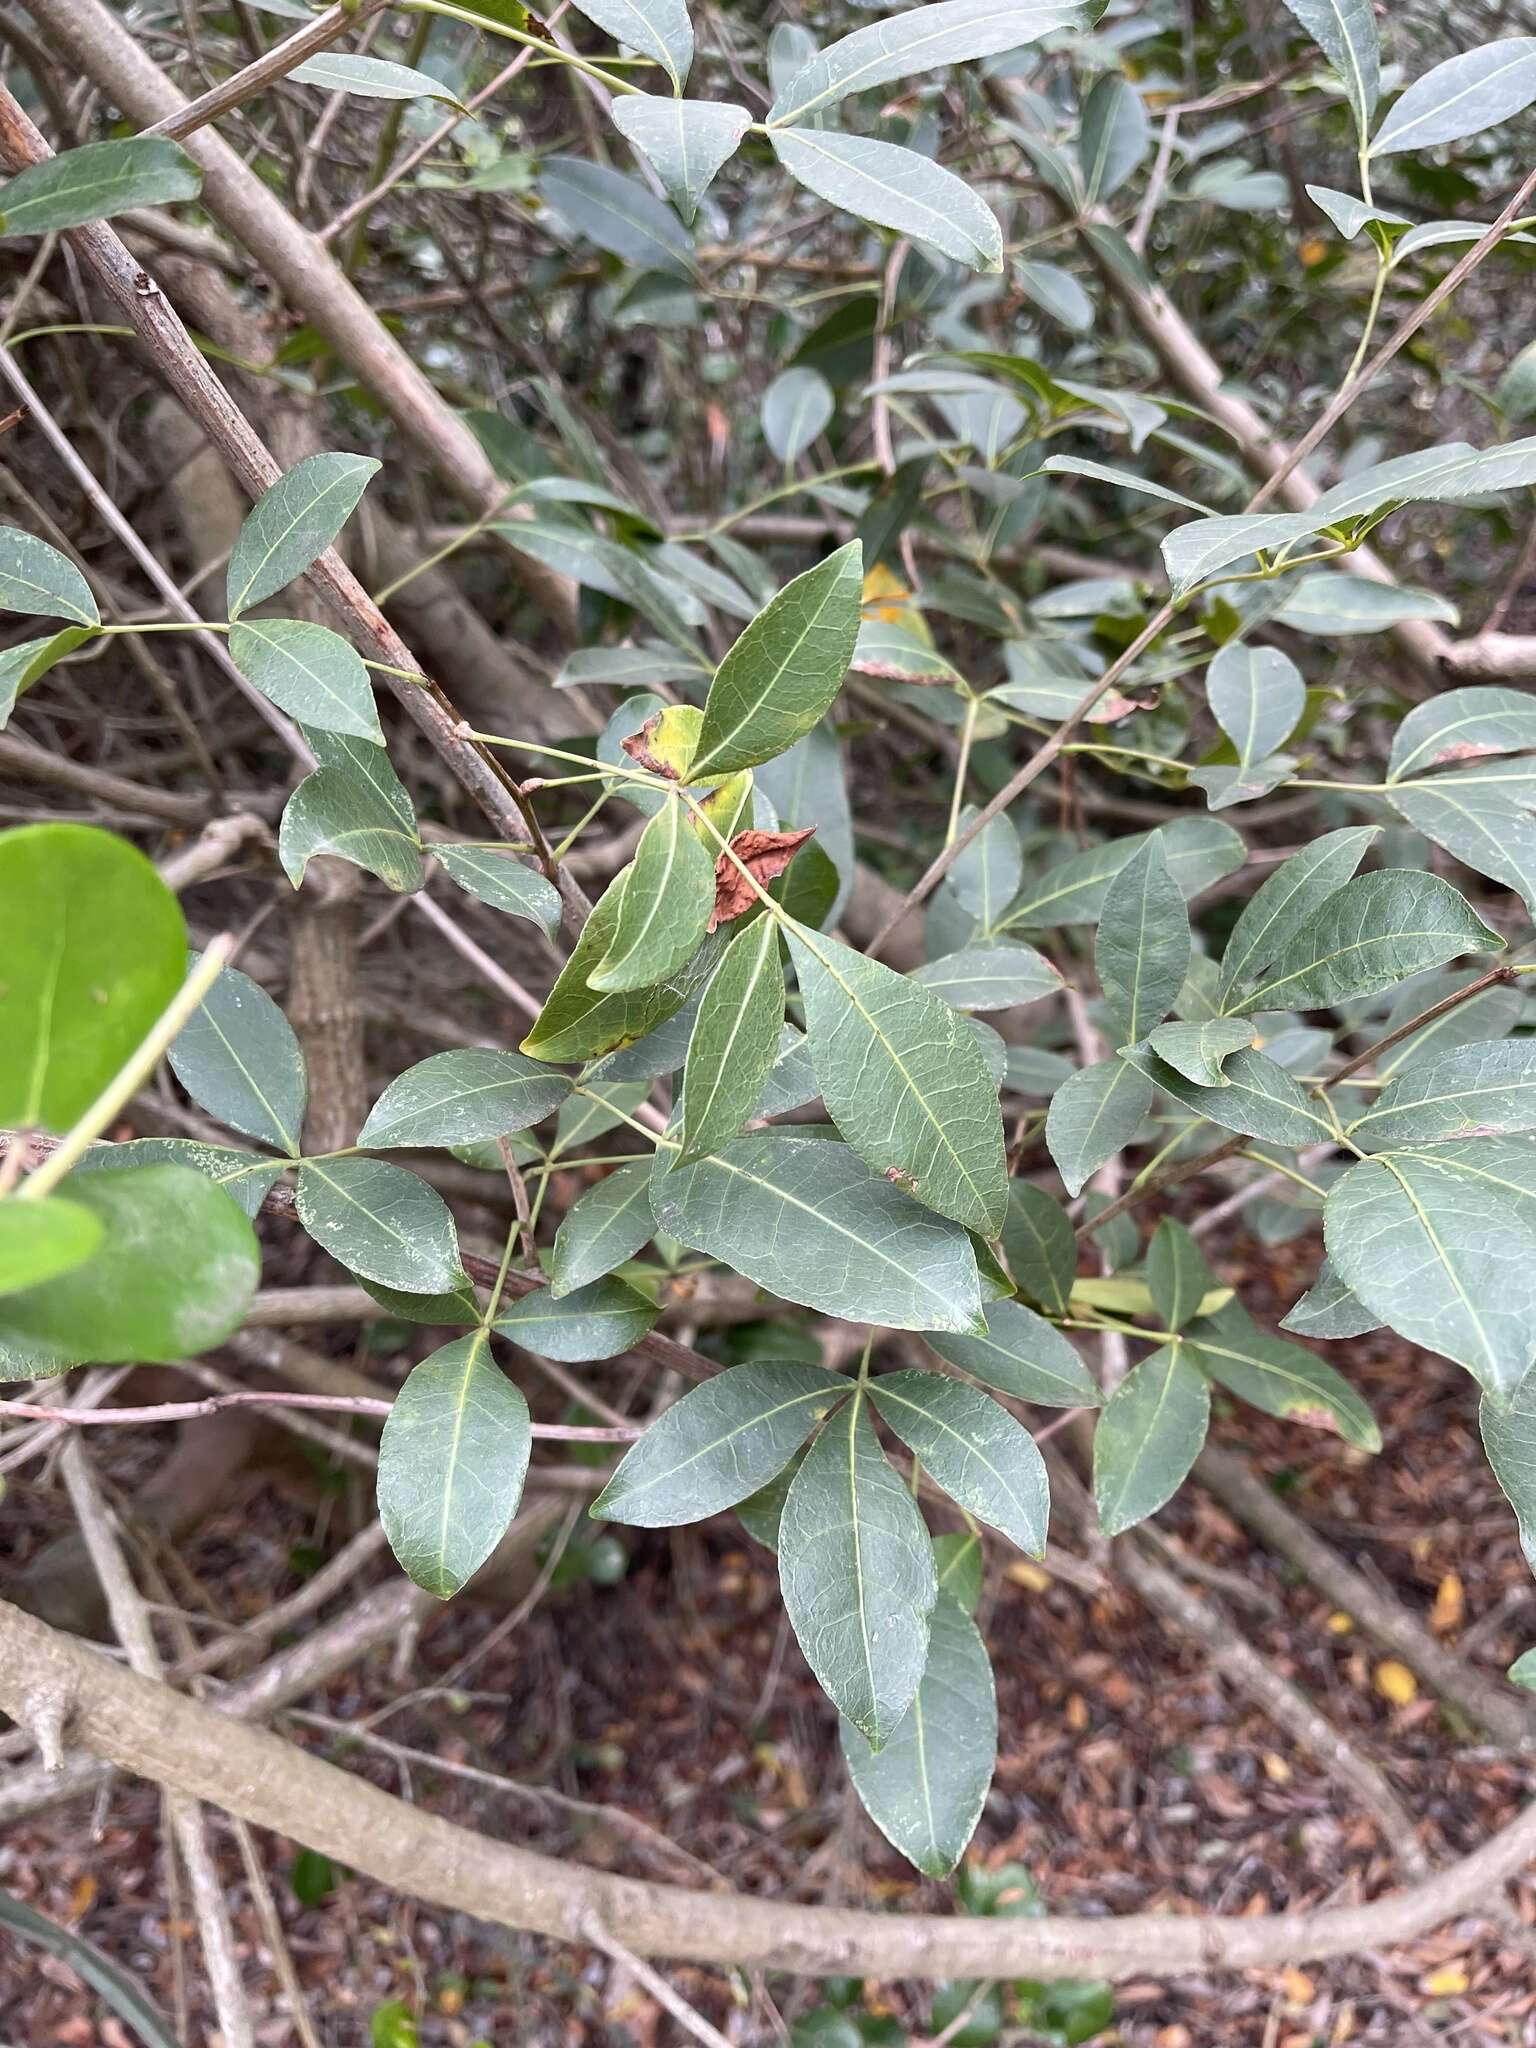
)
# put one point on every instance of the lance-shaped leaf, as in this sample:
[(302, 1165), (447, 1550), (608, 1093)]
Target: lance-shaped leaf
[(1199, 1051), (1257, 1097), (686, 140), (462, 1097), (95, 182), (238, 1058), (796, 407), (580, 1022), (606, 1226), (30, 660), (894, 188), (1147, 1437), (309, 672), (41, 1240), (355, 806), (926, 1788), (719, 1443), (1198, 851), (992, 974), (1493, 834), (1466, 94), (656, 28), (1483, 1090), (1057, 292), (1509, 1438), (735, 1041), (664, 909), (1204, 547), (903, 1081), (1023, 1355), (1345, 32), (1122, 479), (596, 1321), (622, 215), (974, 1449), (1177, 1274), (1441, 1258), (1116, 135), (1286, 900), (1462, 725), (1092, 1116), (495, 875), (1329, 1310), (1039, 1245), (1280, 1378), (920, 39), (293, 522), (380, 1221), (1141, 949), (1376, 930), (858, 1575), (782, 675), (39, 582), (809, 1222), (985, 877), (452, 1461), (371, 78), (1256, 696), (1332, 605)]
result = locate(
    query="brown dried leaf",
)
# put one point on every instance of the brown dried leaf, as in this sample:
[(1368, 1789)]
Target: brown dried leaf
[(765, 856), (638, 747)]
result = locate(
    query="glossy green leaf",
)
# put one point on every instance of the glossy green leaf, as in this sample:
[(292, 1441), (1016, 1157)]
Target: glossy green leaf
[(239, 1059), (309, 672), (1177, 1274), (457, 1098), (40, 1240), (380, 1221), (596, 1321), (94, 947), (735, 1041), (603, 1228), (452, 1461), (1287, 900), (495, 875), (39, 582), (656, 28), (1257, 1097), (1141, 948), (1482, 1090), (903, 1081), (809, 1222), (355, 806), (858, 1576), (1329, 1310), (665, 906), (991, 974), (686, 140), (1441, 1258), (173, 1275), (1147, 1437), (1198, 851), (926, 1787), (1345, 32), (1469, 92), (30, 660), (96, 181), (579, 1022), (617, 213), (1374, 931), (1280, 1378), (783, 674), (796, 408), (721, 1442), (292, 523), (1462, 725), (974, 1449), (1039, 1245), (1092, 1116), (1200, 1051), (894, 188)]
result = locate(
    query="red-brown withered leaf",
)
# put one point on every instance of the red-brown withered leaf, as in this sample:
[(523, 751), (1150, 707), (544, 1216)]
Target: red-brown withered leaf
[(765, 856)]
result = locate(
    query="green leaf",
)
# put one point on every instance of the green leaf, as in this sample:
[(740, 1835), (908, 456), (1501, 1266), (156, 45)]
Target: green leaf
[(606, 1226), (30, 660), (1493, 834), (495, 875), (174, 1274), (796, 407), (381, 1222), (986, 876), (94, 947), (991, 974), (1376, 930), (1092, 1116), (1199, 1051), (665, 906), (1257, 1097), (355, 806), (1039, 1245), (894, 188), (718, 1444), (1287, 900), (116, 1989), (926, 1787), (95, 182), (1334, 606), (1203, 547), (596, 1321), (1441, 1258), (960, 1563), (1122, 479), (686, 140), (974, 1449), (40, 1240), (735, 1041), (1461, 725), (452, 1461), (1280, 1378), (858, 1576), (656, 28), (1256, 696), (1467, 93), (1328, 1309), (585, 1118), (1509, 1438), (1345, 32), (783, 674), (39, 582), (238, 1058), (804, 1217), (1523, 1670), (617, 213), (293, 523), (903, 1081), (309, 672), (579, 1022), (1483, 1090), (458, 1098), (1141, 948), (458, 1305), (1116, 135), (371, 78), (1148, 1436), (920, 39), (243, 1176), (1198, 851), (1177, 1274)]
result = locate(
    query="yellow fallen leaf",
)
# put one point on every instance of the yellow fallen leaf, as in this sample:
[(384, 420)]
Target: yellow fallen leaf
[(1298, 1986), (1022, 1573), (1447, 1982), (1276, 1769), (1077, 1713), (1340, 1624), (1395, 1682), (1450, 1605)]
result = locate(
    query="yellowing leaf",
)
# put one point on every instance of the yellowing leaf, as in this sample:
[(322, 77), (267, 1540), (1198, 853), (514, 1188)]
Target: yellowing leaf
[(1340, 1624), (1022, 1572), (1447, 1982), (1395, 1682), (1450, 1605), (885, 597)]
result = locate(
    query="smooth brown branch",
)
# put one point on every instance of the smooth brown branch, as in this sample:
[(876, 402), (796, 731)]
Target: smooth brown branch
[(1492, 979)]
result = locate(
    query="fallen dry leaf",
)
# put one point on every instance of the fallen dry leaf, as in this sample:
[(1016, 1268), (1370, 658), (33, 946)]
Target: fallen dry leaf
[(765, 856), (1395, 1682), (1450, 1605), (1447, 1982)]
